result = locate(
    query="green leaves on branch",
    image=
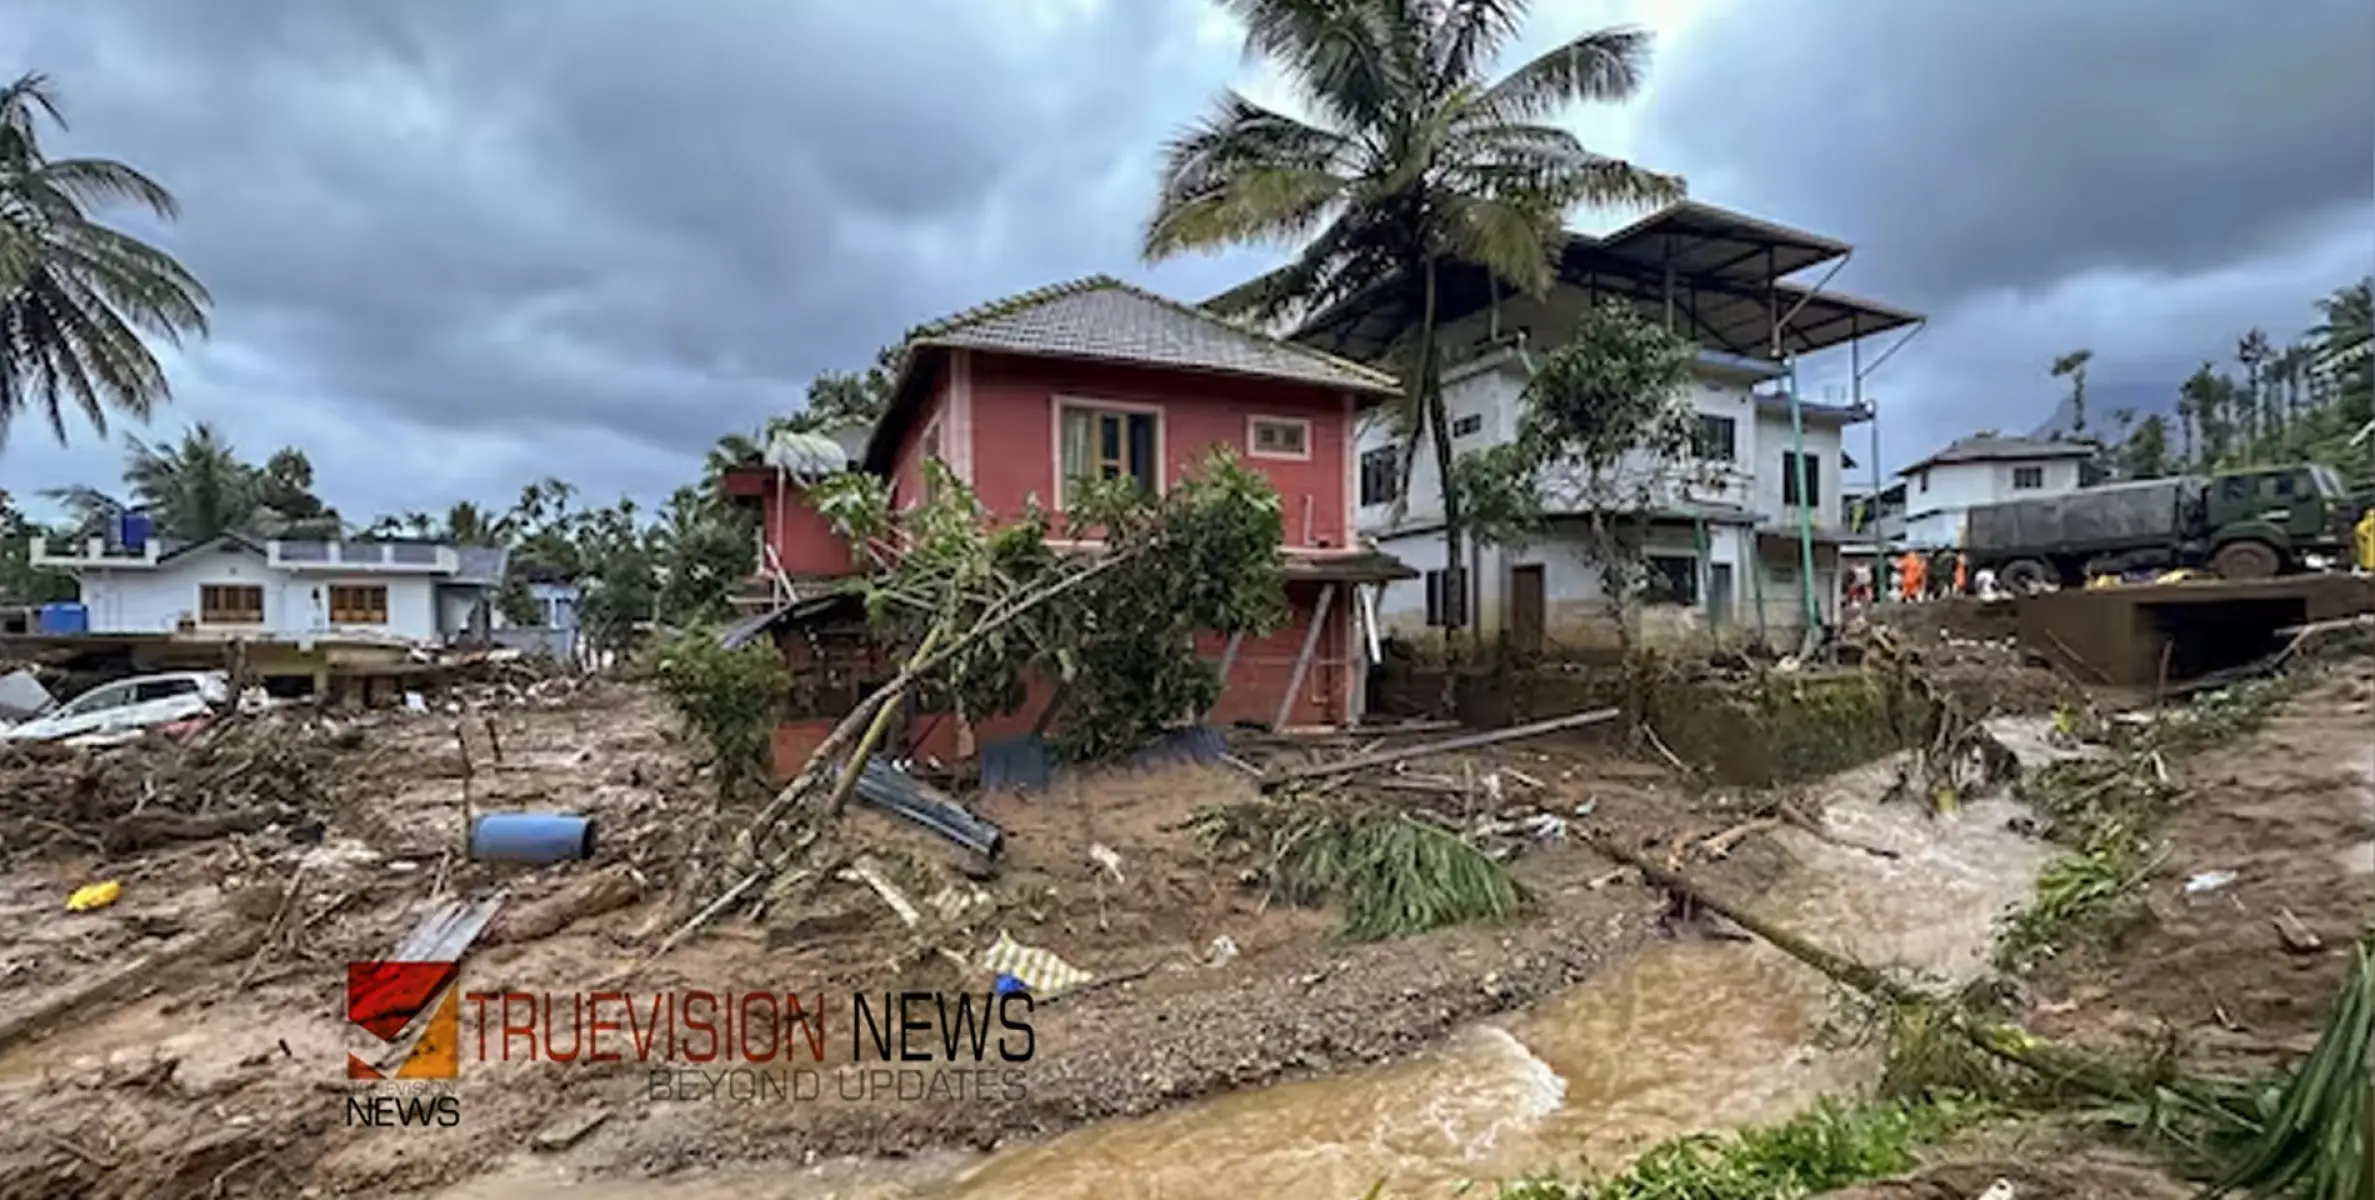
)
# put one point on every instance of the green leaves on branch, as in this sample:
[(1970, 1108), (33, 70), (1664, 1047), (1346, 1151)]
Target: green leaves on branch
[(731, 698), (1604, 418), (1122, 646)]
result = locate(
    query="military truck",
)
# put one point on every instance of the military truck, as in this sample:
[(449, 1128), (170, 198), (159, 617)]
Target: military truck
[(2253, 523)]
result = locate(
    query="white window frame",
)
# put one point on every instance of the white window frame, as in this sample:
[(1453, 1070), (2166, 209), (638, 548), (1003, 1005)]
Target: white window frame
[(1055, 436), (1253, 448)]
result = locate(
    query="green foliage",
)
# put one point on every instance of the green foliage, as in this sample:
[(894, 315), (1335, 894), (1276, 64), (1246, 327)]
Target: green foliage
[(75, 294), (2314, 1140), (1201, 558), (1612, 394), (2088, 893), (517, 604), (2303, 402), (1830, 1146), (1395, 874), (200, 488), (731, 700), (19, 582)]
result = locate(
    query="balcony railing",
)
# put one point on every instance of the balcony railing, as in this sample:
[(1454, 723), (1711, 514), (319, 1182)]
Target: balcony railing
[(392, 557)]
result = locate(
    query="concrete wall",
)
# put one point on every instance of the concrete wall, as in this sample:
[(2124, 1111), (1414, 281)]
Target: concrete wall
[(1936, 497), (157, 600)]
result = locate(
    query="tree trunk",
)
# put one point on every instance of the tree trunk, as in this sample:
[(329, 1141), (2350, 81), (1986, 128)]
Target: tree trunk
[(1438, 424)]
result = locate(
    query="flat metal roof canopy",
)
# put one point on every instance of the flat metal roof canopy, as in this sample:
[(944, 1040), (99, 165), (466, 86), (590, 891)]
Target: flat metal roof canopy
[(1718, 273)]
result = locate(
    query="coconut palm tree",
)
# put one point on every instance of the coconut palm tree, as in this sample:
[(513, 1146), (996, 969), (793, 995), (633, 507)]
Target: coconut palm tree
[(1413, 155), (76, 295), (2072, 366), (196, 488), (2259, 423)]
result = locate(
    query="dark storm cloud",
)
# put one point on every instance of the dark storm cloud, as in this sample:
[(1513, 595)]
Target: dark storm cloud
[(1967, 146), (653, 223)]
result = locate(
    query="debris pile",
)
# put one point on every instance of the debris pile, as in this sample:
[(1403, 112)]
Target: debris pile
[(237, 776)]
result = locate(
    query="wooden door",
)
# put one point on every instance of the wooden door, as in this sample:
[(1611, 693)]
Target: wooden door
[(1526, 601)]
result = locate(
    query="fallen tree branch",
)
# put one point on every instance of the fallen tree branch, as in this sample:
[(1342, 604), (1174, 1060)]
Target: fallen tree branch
[(1471, 741)]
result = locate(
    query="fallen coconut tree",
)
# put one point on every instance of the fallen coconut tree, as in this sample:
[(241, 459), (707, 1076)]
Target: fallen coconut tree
[(2305, 1133)]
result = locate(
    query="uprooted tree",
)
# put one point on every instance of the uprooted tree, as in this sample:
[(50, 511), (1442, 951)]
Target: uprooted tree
[(1121, 650), (1605, 435), (1111, 619)]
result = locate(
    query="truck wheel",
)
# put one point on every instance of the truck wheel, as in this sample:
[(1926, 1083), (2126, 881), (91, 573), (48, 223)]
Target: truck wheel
[(2246, 560), (2022, 576)]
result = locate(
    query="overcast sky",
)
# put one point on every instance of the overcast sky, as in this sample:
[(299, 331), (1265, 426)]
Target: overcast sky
[(460, 244)]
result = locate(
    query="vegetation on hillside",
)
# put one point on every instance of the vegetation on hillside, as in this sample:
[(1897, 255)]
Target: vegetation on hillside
[(2306, 401)]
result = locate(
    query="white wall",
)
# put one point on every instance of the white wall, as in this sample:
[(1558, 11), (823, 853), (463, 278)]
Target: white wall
[(1936, 497), (157, 600)]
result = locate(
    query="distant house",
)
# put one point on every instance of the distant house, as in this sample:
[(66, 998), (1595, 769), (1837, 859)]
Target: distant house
[(281, 590), (1984, 469), (1099, 378)]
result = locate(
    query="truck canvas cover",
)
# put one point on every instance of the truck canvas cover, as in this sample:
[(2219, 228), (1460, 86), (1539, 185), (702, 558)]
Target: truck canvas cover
[(2146, 511)]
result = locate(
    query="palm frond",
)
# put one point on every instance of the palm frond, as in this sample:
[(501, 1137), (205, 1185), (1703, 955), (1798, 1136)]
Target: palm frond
[(1341, 56), (1246, 173), (1605, 65), (1471, 33)]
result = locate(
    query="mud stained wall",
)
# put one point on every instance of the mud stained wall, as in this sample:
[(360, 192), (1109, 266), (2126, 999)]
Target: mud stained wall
[(1791, 728)]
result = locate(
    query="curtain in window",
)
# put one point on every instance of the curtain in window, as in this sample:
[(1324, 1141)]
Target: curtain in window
[(1079, 453)]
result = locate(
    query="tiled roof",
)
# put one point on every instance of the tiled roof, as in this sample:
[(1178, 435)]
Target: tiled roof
[(1101, 317), (2001, 449)]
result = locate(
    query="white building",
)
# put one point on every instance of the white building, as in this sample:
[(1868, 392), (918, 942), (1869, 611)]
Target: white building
[(276, 590), (1729, 547), (1983, 469)]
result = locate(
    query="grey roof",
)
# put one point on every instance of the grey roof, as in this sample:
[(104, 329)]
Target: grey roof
[(1814, 410), (1102, 317), (1990, 448)]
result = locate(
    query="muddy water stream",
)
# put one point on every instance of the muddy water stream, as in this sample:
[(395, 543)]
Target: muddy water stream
[(1689, 1035)]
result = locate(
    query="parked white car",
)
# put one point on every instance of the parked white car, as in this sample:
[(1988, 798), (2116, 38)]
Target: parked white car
[(123, 709)]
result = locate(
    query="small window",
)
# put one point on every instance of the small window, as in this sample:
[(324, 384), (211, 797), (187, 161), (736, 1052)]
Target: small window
[(1278, 437), (1673, 579), (2281, 486), (1447, 599), (114, 695), (1381, 475), (358, 604), (231, 604), (1924, 479), (1466, 426), (1790, 482), (1105, 443), (1716, 439), (2027, 479), (162, 689)]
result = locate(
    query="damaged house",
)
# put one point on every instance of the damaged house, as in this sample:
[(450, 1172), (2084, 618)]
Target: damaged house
[(1096, 378)]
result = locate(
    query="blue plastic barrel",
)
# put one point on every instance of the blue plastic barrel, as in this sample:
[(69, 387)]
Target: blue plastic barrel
[(532, 837), (63, 618), (135, 530)]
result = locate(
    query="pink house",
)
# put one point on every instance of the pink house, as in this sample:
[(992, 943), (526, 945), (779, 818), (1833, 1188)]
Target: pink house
[(1097, 377)]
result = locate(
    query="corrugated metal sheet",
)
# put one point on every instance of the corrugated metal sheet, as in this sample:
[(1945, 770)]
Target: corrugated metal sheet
[(887, 789), (1021, 764), (1200, 744)]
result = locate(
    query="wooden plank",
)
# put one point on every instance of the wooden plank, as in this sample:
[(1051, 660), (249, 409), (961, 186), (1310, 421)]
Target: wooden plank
[(1294, 685), (1471, 741)]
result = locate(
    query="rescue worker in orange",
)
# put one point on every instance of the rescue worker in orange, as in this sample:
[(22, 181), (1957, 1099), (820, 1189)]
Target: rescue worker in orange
[(1962, 575), (1912, 574)]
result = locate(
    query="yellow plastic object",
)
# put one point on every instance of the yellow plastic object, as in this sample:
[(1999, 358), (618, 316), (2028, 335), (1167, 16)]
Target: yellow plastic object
[(2365, 535), (94, 896)]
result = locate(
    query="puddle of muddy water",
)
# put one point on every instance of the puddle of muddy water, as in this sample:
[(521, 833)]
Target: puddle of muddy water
[(1689, 1035)]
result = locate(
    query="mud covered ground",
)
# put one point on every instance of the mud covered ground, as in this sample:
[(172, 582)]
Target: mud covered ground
[(214, 1065), (2289, 812)]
